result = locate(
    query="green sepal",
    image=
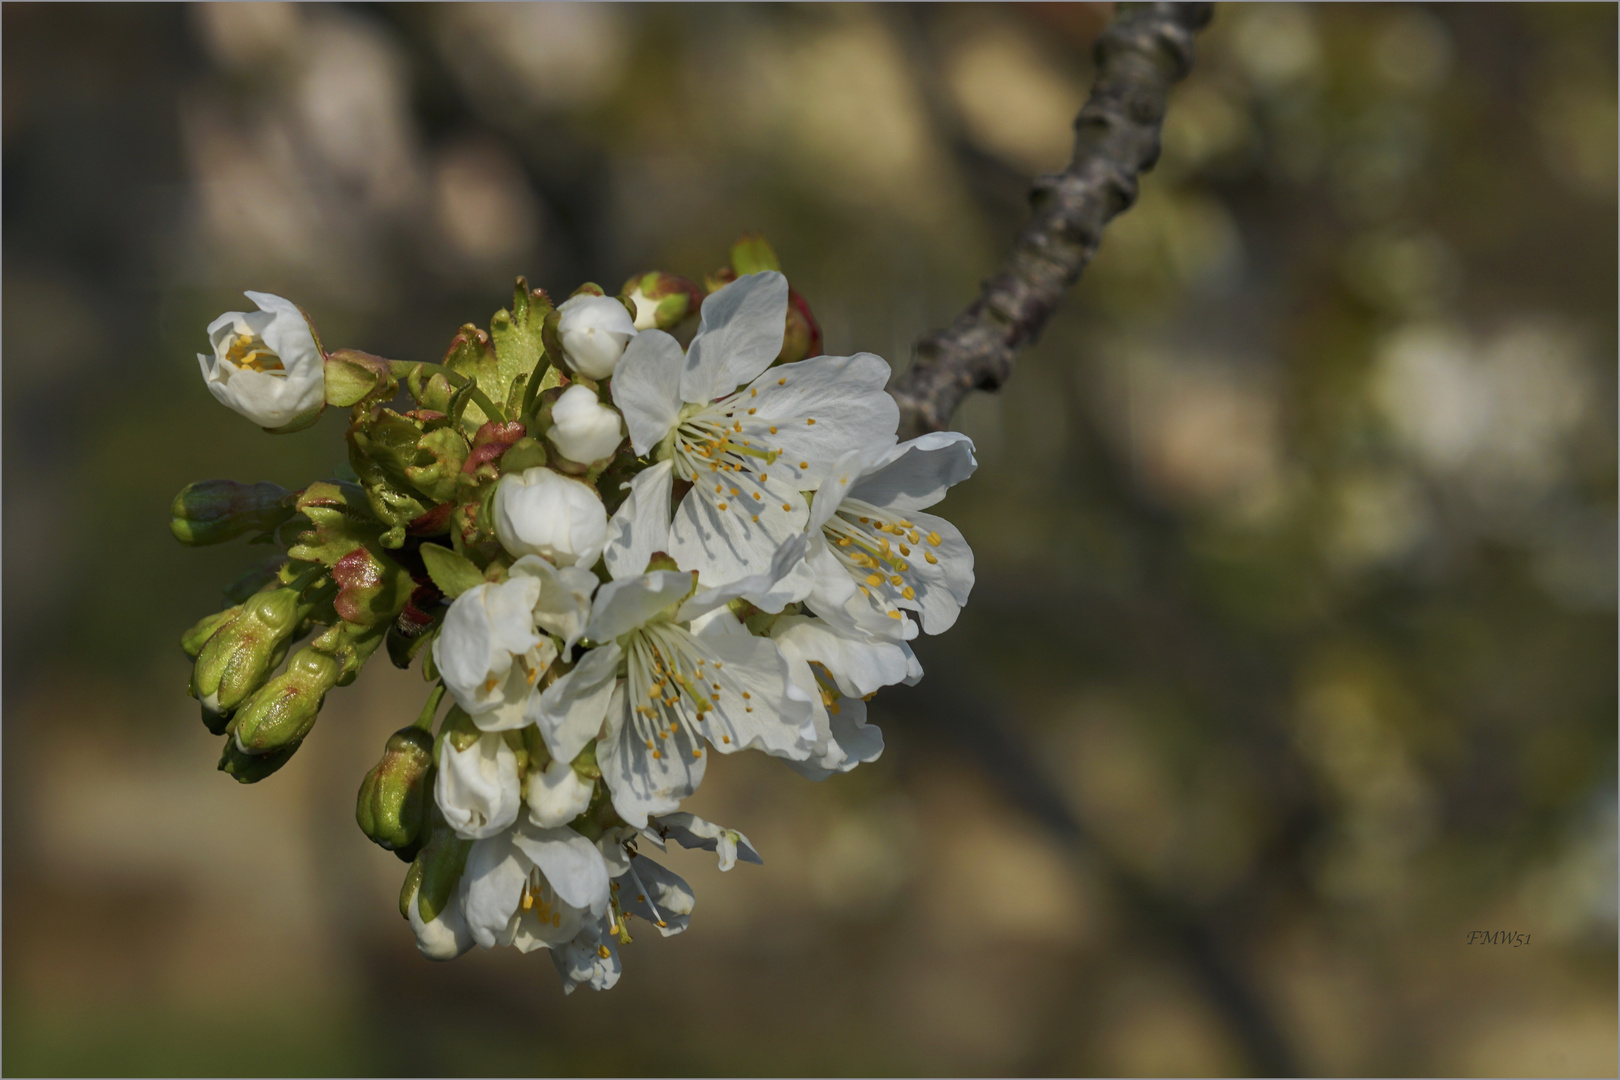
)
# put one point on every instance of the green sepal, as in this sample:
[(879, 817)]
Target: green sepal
[(403, 650), (526, 453), (340, 521), (372, 588), (472, 355), (251, 768), (430, 389), (438, 459), (518, 338), (442, 858), (410, 886), (353, 376), (752, 255), (381, 446), (454, 574)]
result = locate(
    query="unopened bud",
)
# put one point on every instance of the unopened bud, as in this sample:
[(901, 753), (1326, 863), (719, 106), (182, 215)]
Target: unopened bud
[(803, 337), (583, 430), (593, 332), (213, 511), (193, 640), (240, 655), (251, 768), (437, 869), (661, 300), (393, 797)]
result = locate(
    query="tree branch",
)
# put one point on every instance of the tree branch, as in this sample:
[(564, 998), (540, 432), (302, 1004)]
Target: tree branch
[(1146, 49)]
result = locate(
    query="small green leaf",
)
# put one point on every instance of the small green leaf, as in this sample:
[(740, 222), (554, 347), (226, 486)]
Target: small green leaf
[(453, 574)]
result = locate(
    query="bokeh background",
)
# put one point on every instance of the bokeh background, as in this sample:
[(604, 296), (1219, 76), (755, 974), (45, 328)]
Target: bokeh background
[(1292, 657)]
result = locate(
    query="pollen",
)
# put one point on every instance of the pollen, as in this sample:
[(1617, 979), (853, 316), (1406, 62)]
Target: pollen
[(718, 488), (785, 506), (809, 421), (752, 392), (752, 411), (890, 614), (490, 684), (804, 464), (697, 753), (722, 506), (756, 517), (602, 951), (909, 593), (649, 744), (929, 555), (727, 738), (658, 754), (874, 579), (904, 550), (773, 430), (896, 580), (734, 491), (781, 382), (933, 538)]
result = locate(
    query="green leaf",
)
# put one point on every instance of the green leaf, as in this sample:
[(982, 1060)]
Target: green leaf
[(340, 522), (453, 574)]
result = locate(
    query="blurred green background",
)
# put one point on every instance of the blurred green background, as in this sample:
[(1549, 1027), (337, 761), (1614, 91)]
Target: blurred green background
[(1292, 657)]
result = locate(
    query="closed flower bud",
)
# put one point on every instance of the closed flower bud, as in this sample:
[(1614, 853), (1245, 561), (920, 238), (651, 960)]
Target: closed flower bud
[(540, 512), (394, 795), (212, 511), (193, 640), (429, 898), (593, 331), (236, 660), (266, 365), (284, 710), (662, 300), (583, 429)]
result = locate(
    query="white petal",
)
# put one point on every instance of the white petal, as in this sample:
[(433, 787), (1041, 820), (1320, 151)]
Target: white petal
[(769, 719), (649, 891), (850, 741), (564, 602), (844, 396), (858, 663), (571, 710), (580, 962), (740, 334), (691, 831), (640, 526), (447, 936), (491, 887), (781, 584), (478, 789), (916, 474), (557, 795), (570, 863), (942, 588), (646, 779), (623, 605), (726, 545), (646, 387)]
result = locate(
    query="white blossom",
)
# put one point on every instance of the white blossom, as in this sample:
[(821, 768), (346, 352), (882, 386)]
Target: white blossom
[(532, 887), (582, 428), (445, 936), (540, 512), (556, 794), (593, 332), (749, 451), (691, 831), (266, 365)]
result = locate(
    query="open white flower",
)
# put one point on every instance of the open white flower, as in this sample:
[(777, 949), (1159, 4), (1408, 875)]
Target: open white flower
[(494, 645), (838, 667), (540, 512), (477, 788), (678, 689), (583, 429), (266, 364), (533, 888), (872, 551), (748, 450), (593, 332)]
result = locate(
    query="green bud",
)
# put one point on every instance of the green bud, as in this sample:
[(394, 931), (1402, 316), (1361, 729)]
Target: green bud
[(251, 768), (353, 376), (661, 300), (281, 714), (751, 255), (526, 453), (213, 511), (193, 640), (394, 795), (240, 655), (436, 870), (802, 337)]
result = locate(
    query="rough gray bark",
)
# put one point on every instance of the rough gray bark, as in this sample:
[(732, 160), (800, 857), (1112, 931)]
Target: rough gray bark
[(1148, 48)]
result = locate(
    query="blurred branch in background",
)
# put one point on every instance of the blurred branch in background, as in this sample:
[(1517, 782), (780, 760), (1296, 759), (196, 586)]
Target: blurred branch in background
[(1147, 49)]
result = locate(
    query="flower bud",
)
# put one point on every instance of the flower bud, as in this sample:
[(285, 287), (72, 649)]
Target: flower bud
[(583, 429), (593, 332), (556, 795), (429, 896), (393, 797), (662, 300), (212, 511), (540, 512), (443, 937), (266, 365), (238, 657), (802, 337), (283, 711), (193, 640)]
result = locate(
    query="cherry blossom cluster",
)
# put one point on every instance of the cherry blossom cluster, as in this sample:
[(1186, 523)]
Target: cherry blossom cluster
[(615, 555)]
